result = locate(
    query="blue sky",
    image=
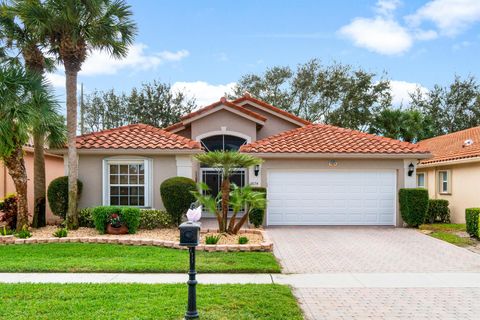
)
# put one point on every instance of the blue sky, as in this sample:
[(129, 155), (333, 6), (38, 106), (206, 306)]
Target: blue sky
[(203, 47)]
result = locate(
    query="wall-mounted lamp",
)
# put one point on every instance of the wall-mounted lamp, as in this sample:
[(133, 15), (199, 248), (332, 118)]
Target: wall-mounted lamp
[(411, 169), (256, 170)]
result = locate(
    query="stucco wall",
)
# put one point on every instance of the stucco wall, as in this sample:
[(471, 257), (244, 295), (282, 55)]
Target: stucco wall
[(342, 164), (90, 173), (465, 192)]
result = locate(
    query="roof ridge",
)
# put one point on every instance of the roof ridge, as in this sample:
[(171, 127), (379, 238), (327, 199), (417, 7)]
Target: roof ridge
[(450, 134)]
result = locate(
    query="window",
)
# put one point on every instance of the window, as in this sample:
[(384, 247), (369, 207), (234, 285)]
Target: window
[(127, 183), (421, 180), (223, 142), (444, 181)]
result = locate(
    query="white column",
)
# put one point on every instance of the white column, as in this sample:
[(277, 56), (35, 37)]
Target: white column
[(410, 181), (184, 166)]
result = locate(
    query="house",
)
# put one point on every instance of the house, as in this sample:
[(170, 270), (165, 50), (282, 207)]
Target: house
[(314, 174), (453, 173), (54, 168)]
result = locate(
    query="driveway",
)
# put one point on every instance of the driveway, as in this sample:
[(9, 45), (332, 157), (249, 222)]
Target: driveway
[(401, 262)]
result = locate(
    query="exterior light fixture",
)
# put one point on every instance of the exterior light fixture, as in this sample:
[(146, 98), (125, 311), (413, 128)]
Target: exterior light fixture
[(256, 170), (411, 169)]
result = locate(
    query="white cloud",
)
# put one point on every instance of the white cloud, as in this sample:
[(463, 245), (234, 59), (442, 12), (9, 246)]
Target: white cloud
[(425, 34), (56, 80), (387, 7), (102, 63), (401, 91), (450, 16), (204, 92)]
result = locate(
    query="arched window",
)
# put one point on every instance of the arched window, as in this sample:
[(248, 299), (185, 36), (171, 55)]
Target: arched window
[(223, 142)]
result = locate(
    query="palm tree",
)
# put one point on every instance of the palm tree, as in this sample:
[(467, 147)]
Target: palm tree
[(227, 162), (26, 107), (74, 28), (17, 35)]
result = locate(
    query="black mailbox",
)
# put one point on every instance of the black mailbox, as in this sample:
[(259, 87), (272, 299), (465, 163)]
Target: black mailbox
[(189, 234)]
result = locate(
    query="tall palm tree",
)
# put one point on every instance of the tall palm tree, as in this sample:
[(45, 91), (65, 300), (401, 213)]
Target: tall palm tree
[(227, 162), (74, 28), (17, 35), (26, 107)]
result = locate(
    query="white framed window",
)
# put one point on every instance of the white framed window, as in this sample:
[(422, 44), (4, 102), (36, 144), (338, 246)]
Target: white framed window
[(421, 180), (444, 182), (127, 182)]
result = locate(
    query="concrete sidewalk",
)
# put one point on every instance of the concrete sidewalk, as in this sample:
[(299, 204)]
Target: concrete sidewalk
[(325, 280)]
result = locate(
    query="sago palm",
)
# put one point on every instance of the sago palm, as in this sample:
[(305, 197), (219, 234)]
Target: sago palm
[(26, 107), (74, 28)]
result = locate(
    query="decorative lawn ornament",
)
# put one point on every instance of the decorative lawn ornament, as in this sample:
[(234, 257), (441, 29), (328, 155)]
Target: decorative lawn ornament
[(194, 214)]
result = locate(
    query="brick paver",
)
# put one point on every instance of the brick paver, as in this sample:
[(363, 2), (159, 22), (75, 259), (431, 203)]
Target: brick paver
[(366, 249)]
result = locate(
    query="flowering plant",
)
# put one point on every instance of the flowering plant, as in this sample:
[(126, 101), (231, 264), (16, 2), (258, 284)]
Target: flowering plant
[(115, 220)]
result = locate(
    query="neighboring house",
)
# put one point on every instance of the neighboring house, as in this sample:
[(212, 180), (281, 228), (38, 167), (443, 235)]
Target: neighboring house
[(314, 174), (454, 171), (54, 168)]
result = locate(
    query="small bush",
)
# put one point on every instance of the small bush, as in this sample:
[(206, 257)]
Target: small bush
[(85, 218), (57, 194), (4, 231), (438, 211), (128, 215), (177, 196), (9, 209), (60, 233), (242, 240), (151, 219), (24, 233), (472, 216), (257, 216), (212, 239), (413, 205)]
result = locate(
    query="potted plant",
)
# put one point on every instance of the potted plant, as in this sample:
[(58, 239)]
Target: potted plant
[(115, 225)]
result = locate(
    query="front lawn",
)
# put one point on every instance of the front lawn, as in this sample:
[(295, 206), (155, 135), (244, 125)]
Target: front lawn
[(448, 227), (452, 238), (83, 257), (454, 233), (143, 301)]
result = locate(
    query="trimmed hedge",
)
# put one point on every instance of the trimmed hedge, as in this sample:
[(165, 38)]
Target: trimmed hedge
[(413, 205), (151, 219), (438, 211), (85, 218), (128, 215), (472, 216), (177, 196), (57, 194), (8, 206), (257, 216)]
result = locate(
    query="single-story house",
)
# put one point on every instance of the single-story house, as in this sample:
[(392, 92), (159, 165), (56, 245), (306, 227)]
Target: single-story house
[(453, 173), (314, 174), (54, 168)]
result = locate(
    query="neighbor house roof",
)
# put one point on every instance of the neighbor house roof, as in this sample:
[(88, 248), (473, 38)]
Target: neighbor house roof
[(326, 139), (459, 145), (136, 136)]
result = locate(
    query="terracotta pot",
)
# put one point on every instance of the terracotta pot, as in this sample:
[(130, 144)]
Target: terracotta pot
[(120, 230)]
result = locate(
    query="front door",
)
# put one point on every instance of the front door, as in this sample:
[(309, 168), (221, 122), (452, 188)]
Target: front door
[(213, 179)]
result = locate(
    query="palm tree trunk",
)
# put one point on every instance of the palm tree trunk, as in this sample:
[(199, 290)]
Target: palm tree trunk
[(225, 199), (241, 222), (39, 214), (16, 169), (71, 85)]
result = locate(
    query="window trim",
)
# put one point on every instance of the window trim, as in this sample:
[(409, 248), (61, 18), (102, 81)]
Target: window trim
[(147, 162), (424, 180), (441, 181)]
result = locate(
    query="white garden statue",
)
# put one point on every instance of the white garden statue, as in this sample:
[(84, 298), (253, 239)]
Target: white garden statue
[(194, 214)]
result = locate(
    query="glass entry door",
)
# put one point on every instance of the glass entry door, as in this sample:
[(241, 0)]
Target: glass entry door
[(213, 179)]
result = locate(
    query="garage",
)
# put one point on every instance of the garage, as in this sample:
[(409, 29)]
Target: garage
[(331, 197)]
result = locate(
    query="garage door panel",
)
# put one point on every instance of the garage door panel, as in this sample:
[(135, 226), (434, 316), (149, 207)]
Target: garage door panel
[(329, 198)]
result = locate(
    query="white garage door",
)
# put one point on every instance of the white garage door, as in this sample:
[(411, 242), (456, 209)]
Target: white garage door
[(331, 198)]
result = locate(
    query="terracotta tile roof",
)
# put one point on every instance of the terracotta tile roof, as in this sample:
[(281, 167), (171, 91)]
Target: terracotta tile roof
[(453, 146), (248, 97), (227, 103), (174, 126), (135, 136), (320, 138)]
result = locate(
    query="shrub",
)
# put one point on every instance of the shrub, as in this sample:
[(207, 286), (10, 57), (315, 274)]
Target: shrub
[(212, 239), (57, 194), (85, 218), (129, 215), (151, 219), (438, 211), (472, 216), (242, 240), (4, 231), (257, 215), (413, 205), (177, 196), (60, 233), (9, 209), (24, 233)]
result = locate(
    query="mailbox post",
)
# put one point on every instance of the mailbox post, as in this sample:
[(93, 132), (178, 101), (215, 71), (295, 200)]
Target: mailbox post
[(190, 237)]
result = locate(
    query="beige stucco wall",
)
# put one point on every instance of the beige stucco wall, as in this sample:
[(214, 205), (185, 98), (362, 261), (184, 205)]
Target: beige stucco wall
[(90, 173), (465, 192), (342, 164)]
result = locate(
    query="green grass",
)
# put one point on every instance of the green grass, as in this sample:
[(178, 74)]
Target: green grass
[(143, 301), (452, 238), (456, 227), (82, 257)]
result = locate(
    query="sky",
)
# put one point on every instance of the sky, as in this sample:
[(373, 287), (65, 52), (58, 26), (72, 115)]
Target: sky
[(203, 47)]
